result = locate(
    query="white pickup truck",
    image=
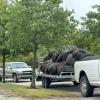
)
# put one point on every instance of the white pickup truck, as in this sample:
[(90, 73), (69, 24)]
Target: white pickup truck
[(87, 74), (16, 70)]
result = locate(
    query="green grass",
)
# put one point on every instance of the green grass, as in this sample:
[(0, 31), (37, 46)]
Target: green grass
[(34, 93)]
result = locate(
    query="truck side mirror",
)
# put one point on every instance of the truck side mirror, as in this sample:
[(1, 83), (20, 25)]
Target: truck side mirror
[(29, 66)]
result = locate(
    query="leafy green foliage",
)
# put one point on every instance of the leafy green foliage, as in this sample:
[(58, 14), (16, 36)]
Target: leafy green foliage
[(92, 21), (2, 25), (91, 26), (35, 26), (32, 23)]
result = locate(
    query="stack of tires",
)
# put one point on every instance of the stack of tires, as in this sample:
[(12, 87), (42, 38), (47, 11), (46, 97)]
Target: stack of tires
[(57, 62)]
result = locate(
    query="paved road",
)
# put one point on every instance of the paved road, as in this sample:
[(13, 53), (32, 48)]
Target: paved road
[(65, 86)]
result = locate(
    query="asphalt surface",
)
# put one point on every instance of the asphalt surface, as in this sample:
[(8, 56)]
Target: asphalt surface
[(64, 86)]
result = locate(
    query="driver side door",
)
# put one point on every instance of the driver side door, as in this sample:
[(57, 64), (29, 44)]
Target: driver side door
[(8, 70)]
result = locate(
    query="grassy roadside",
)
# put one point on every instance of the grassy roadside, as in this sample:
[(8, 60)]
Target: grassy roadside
[(34, 93)]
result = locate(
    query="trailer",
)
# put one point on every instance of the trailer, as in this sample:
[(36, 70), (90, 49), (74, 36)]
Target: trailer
[(48, 79)]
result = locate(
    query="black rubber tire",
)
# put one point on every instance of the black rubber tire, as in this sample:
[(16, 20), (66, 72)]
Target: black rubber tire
[(46, 82), (15, 79), (85, 87), (30, 79), (43, 82), (0, 78), (75, 83), (39, 79)]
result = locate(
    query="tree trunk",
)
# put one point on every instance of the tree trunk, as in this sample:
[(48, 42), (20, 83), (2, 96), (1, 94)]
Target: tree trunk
[(33, 85), (4, 66)]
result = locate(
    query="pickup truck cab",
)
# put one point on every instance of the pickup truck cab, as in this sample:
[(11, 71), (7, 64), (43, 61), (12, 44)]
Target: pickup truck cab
[(17, 70), (87, 74)]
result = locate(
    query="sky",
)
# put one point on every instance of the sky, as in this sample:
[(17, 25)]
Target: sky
[(81, 7)]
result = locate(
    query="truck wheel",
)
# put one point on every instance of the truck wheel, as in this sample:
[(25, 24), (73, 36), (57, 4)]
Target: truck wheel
[(15, 79), (0, 78), (85, 87), (30, 79), (46, 82), (75, 83)]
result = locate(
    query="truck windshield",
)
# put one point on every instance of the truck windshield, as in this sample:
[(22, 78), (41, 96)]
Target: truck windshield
[(20, 65)]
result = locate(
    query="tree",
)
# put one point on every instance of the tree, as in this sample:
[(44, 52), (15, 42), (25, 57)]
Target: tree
[(90, 27), (38, 22), (3, 32), (92, 21)]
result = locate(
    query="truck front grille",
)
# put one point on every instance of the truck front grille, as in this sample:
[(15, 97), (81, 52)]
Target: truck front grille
[(27, 72)]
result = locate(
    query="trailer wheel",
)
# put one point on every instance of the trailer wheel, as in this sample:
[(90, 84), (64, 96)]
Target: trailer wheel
[(46, 82), (43, 82), (0, 78), (75, 83), (30, 79), (85, 87)]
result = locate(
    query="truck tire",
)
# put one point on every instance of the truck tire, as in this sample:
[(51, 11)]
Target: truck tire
[(85, 87), (15, 79), (46, 82)]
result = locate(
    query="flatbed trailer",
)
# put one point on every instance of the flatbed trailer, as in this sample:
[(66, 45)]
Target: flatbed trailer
[(47, 79)]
